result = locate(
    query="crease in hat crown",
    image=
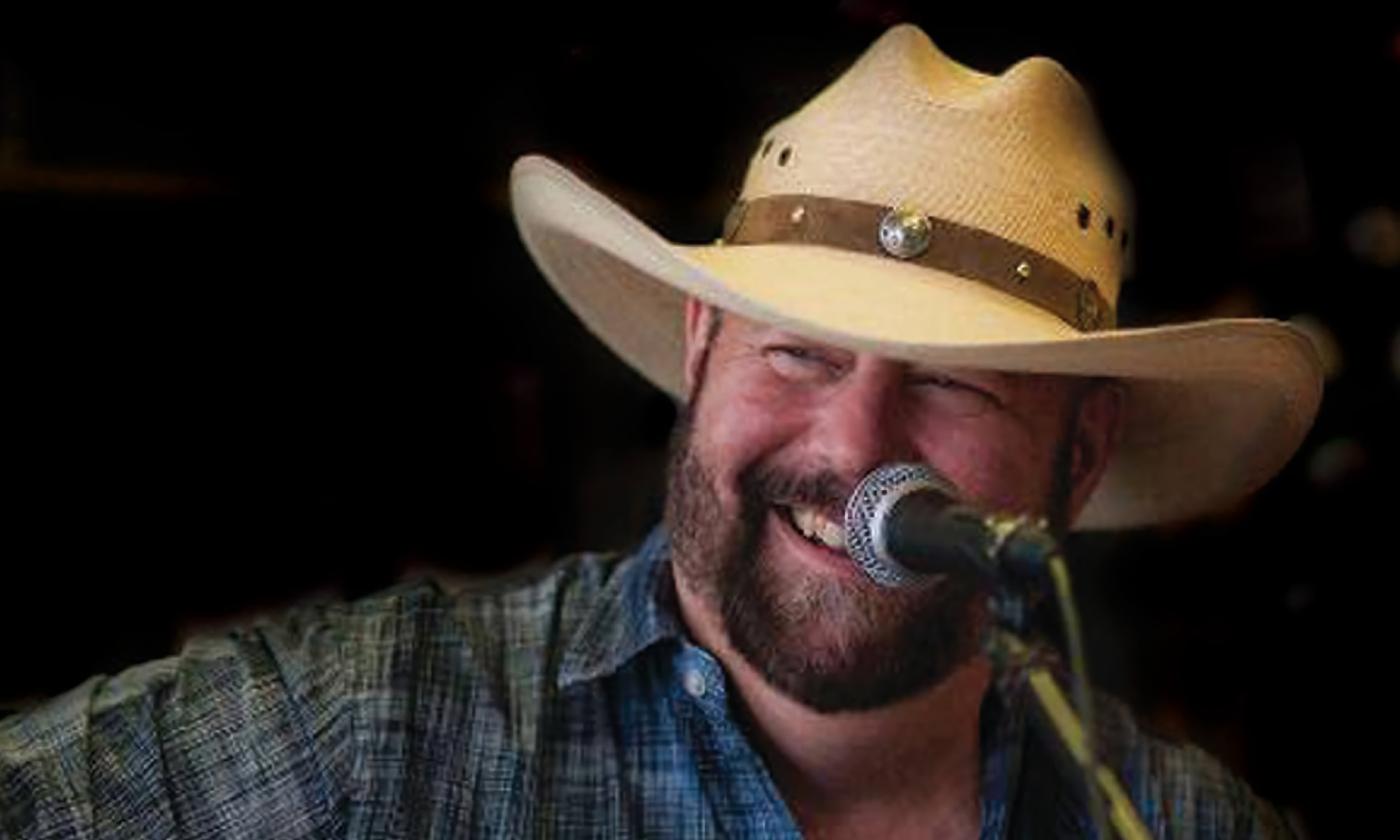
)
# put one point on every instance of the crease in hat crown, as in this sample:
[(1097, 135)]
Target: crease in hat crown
[(1020, 155)]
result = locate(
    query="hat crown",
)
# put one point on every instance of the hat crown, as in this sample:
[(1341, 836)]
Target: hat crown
[(1020, 155)]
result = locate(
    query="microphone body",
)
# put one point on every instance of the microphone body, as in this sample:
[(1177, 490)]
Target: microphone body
[(904, 523)]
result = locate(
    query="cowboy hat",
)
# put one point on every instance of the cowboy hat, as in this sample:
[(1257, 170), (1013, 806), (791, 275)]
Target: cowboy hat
[(925, 211)]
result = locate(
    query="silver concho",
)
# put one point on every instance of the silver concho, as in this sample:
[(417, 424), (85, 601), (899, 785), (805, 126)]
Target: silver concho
[(904, 233)]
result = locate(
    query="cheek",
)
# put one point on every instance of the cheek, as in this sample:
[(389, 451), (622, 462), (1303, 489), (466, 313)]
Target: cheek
[(736, 428), (998, 471)]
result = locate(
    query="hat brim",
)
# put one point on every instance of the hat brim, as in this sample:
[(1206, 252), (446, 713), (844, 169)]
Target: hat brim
[(1214, 408)]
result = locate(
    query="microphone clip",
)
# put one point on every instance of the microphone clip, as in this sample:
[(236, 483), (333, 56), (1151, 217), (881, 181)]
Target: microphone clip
[(1021, 547)]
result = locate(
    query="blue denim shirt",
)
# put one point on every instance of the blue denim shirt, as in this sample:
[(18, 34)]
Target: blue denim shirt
[(565, 703)]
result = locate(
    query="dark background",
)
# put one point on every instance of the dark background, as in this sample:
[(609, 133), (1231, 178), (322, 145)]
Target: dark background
[(271, 334)]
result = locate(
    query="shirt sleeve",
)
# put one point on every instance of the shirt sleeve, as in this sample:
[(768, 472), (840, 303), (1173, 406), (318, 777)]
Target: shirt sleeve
[(246, 735), (1180, 790)]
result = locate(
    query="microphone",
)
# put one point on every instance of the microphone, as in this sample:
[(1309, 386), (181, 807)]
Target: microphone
[(904, 522)]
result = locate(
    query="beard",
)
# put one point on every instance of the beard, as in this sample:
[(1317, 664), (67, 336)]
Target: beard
[(829, 643)]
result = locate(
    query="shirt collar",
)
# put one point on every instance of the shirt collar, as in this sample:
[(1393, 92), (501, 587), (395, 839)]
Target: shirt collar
[(636, 609)]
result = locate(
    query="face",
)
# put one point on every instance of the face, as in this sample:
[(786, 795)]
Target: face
[(778, 431)]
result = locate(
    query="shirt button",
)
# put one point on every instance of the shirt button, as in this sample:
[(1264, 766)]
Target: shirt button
[(694, 682)]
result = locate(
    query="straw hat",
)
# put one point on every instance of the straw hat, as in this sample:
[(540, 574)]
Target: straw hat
[(924, 211)]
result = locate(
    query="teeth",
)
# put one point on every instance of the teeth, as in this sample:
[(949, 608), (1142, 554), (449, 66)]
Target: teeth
[(816, 527)]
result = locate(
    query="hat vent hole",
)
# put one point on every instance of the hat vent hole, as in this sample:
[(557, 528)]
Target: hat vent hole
[(1108, 227), (1083, 217), (767, 147), (784, 156)]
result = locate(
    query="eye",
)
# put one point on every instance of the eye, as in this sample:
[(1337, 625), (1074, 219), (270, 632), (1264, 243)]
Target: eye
[(799, 364), (954, 397)]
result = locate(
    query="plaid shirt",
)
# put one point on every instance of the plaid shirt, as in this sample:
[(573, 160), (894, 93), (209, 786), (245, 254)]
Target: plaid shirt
[(567, 703)]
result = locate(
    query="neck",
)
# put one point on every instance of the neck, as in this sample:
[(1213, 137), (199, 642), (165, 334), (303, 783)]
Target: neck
[(914, 762)]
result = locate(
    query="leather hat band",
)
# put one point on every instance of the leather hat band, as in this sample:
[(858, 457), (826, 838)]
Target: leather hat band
[(925, 240)]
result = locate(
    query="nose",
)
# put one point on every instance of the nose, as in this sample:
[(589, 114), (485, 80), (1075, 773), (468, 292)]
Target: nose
[(861, 424)]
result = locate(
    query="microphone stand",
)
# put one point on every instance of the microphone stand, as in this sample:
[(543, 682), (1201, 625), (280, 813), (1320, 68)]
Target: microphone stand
[(1009, 654)]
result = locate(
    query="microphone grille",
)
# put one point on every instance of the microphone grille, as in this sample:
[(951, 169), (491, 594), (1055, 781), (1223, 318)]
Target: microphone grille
[(868, 508)]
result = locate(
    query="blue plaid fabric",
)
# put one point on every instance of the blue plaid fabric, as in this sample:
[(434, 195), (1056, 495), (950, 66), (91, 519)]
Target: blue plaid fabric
[(566, 703)]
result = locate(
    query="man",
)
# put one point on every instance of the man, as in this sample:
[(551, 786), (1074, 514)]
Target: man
[(922, 266)]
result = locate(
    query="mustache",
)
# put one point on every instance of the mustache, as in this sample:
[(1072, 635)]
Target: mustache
[(821, 488)]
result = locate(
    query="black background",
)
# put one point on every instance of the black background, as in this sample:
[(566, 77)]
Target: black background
[(271, 334)]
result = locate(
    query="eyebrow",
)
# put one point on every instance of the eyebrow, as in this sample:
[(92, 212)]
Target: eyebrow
[(988, 376), (769, 335)]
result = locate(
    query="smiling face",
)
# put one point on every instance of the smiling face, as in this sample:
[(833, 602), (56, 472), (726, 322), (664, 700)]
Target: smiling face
[(779, 431)]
